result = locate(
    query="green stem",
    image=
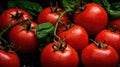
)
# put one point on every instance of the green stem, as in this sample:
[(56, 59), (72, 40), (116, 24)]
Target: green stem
[(78, 3), (51, 7), (3, 40), (97, 44), (8, 28), (65, 25), (56, 27), (11, 26)]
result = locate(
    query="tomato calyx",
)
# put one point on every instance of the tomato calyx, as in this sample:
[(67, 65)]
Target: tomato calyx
[(17, 16), (80, 9), (113, 29), (27, 26), (59, 46), (54, 9), (100, 44), (66, 27), (80, 6)]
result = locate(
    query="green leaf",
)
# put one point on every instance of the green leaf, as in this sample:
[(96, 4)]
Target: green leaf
[(112, 9), (32, 7), (69, 4), (45, 33), (115, 5)]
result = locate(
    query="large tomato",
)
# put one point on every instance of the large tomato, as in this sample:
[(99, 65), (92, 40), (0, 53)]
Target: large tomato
[(59, 58), (109, 37), (9, 59), (76, 37), (25, 40), (93, 18), (93, 56), (47, 15), (14, 15)]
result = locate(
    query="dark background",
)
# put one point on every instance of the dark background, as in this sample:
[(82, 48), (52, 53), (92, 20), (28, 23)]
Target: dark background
[(44, 3)]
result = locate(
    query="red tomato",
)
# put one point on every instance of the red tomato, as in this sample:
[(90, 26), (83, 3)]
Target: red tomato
[(75, 37), (10, 14), (111, 38), (25, 40), (94, 18), (46, 15), (9, 59), (115, 23), (92, 56), (59, 58)]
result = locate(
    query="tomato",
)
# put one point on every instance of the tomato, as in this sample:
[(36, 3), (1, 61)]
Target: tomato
[(9, 59), (115, 23), (47, 15), (14, 15), (93, 18), (76, 37), (59, 58), (92, 56), (25, 40), (111, 38)]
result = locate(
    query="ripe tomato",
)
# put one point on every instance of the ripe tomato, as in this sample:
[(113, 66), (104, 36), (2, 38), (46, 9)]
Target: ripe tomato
[(111, 38), (9, 59), (93, 18), (25, 40), (76, 37), (46, 15), (9, 14), (92, 56), (59, 58), (115, 23)]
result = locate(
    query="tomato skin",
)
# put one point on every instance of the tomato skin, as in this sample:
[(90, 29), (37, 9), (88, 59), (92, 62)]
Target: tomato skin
[(60, 58), (115, 23), (76, 37), (6, 17), (25, 40), (46, 15), (92, 56), (9, 59), (94, 18), (111, 38)]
